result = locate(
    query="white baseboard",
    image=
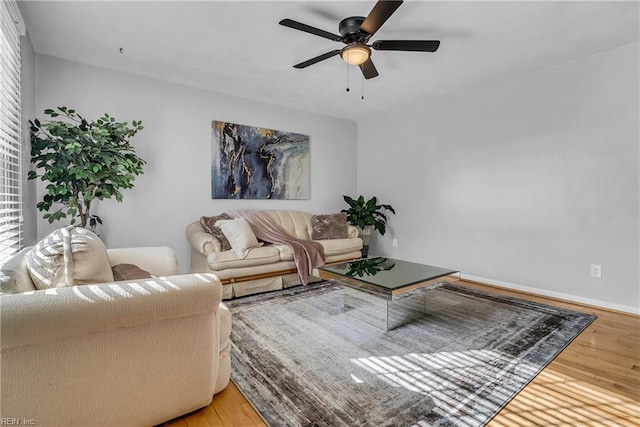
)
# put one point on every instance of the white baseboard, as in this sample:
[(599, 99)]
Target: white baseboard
[(558, 295)]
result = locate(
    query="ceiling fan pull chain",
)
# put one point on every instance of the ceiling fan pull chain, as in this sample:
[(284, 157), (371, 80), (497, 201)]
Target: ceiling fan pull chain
[(362, 89), (347, 77)]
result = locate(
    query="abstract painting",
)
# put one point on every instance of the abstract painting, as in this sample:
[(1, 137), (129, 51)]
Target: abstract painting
[(257, 163)]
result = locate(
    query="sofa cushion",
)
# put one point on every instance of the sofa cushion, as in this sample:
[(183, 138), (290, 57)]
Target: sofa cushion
[(340, 246), (286, 253), (296, 223), (209, 225), (332, 226), (239, 234), (69, 256), (257, 256)]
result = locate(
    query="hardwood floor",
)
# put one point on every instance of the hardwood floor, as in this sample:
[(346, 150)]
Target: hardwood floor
[(595, 381)]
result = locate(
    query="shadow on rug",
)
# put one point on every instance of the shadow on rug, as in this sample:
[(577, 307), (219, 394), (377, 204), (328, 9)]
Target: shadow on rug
[(302, 361)]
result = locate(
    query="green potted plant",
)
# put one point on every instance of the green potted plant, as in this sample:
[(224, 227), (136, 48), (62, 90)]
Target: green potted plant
[(367, 215), (82, 161)]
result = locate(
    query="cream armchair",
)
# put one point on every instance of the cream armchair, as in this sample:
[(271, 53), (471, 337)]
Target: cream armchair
[(123, 353)]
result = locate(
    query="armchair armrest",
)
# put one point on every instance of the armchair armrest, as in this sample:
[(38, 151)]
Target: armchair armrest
[(88, 309), (158, 260), (202, 241), (149, 348)]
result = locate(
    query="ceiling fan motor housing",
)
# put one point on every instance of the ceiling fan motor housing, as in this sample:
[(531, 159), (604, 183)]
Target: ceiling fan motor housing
[(349, 29)]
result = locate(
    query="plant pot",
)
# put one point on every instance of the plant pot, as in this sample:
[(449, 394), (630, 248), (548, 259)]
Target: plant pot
[(365, 234)]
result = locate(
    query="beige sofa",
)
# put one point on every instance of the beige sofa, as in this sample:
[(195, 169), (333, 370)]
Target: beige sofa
[(267, 268), (133, 353)]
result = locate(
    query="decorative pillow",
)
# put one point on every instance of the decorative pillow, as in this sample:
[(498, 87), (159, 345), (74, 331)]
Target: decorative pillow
[(240, 235), (129, 272), (209, 225), (69, 256), (333, 226)]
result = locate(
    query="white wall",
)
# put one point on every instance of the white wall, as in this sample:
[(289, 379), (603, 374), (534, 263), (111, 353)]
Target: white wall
[(526, 182), (176, 143)]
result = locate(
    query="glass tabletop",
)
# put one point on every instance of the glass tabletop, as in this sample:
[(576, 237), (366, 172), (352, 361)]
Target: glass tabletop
[(387, 273)]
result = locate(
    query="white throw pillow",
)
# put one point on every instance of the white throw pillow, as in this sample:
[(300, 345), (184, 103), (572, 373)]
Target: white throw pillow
[(239, 234), (69, 256)]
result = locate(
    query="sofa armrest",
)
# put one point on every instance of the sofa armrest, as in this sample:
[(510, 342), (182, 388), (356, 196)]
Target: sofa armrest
[(202, 241), (352, 232), (89, 309), (157, 260)]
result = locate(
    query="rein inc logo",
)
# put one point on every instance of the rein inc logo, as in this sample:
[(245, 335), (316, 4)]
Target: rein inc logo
[(17, 422)]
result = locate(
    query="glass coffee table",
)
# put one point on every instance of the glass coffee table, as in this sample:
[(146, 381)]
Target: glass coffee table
[(386, 292)]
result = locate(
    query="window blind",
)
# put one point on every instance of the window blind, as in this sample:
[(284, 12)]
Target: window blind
[(11, 177)]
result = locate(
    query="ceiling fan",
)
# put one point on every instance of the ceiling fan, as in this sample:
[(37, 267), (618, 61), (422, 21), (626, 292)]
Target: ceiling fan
[(355, 32)]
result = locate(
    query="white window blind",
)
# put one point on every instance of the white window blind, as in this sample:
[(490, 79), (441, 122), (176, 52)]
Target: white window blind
[(11, 27)]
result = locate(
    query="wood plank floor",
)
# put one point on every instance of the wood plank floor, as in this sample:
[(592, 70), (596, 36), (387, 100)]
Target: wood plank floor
[(595, 381)]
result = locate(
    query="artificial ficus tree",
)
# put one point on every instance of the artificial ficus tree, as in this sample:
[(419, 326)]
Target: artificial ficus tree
[(82, 162)]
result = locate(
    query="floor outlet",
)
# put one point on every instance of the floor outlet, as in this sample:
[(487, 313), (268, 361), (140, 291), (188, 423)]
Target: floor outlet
[(395, 243), (596, 270)]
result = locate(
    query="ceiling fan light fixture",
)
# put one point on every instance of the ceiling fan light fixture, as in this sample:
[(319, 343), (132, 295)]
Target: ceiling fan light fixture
[(355, 54)]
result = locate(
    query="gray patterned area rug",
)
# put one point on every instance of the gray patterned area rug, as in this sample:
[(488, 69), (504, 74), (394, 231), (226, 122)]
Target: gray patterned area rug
[(302, 361)]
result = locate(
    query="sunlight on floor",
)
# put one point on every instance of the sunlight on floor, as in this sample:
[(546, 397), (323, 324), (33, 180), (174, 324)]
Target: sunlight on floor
[(555, 399), (552, 399)]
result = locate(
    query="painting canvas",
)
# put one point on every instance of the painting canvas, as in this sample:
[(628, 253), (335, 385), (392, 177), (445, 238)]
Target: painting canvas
[(257, 163)]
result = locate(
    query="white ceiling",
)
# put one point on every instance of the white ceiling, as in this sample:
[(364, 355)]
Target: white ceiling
[(238, 48)]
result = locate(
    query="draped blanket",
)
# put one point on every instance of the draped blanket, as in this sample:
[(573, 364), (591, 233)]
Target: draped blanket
[(306, 254)]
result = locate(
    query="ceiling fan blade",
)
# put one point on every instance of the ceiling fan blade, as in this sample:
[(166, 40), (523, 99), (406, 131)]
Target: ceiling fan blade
[(317, 59), (379, 15), (368, 69), (309, 29), (407, 45)]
